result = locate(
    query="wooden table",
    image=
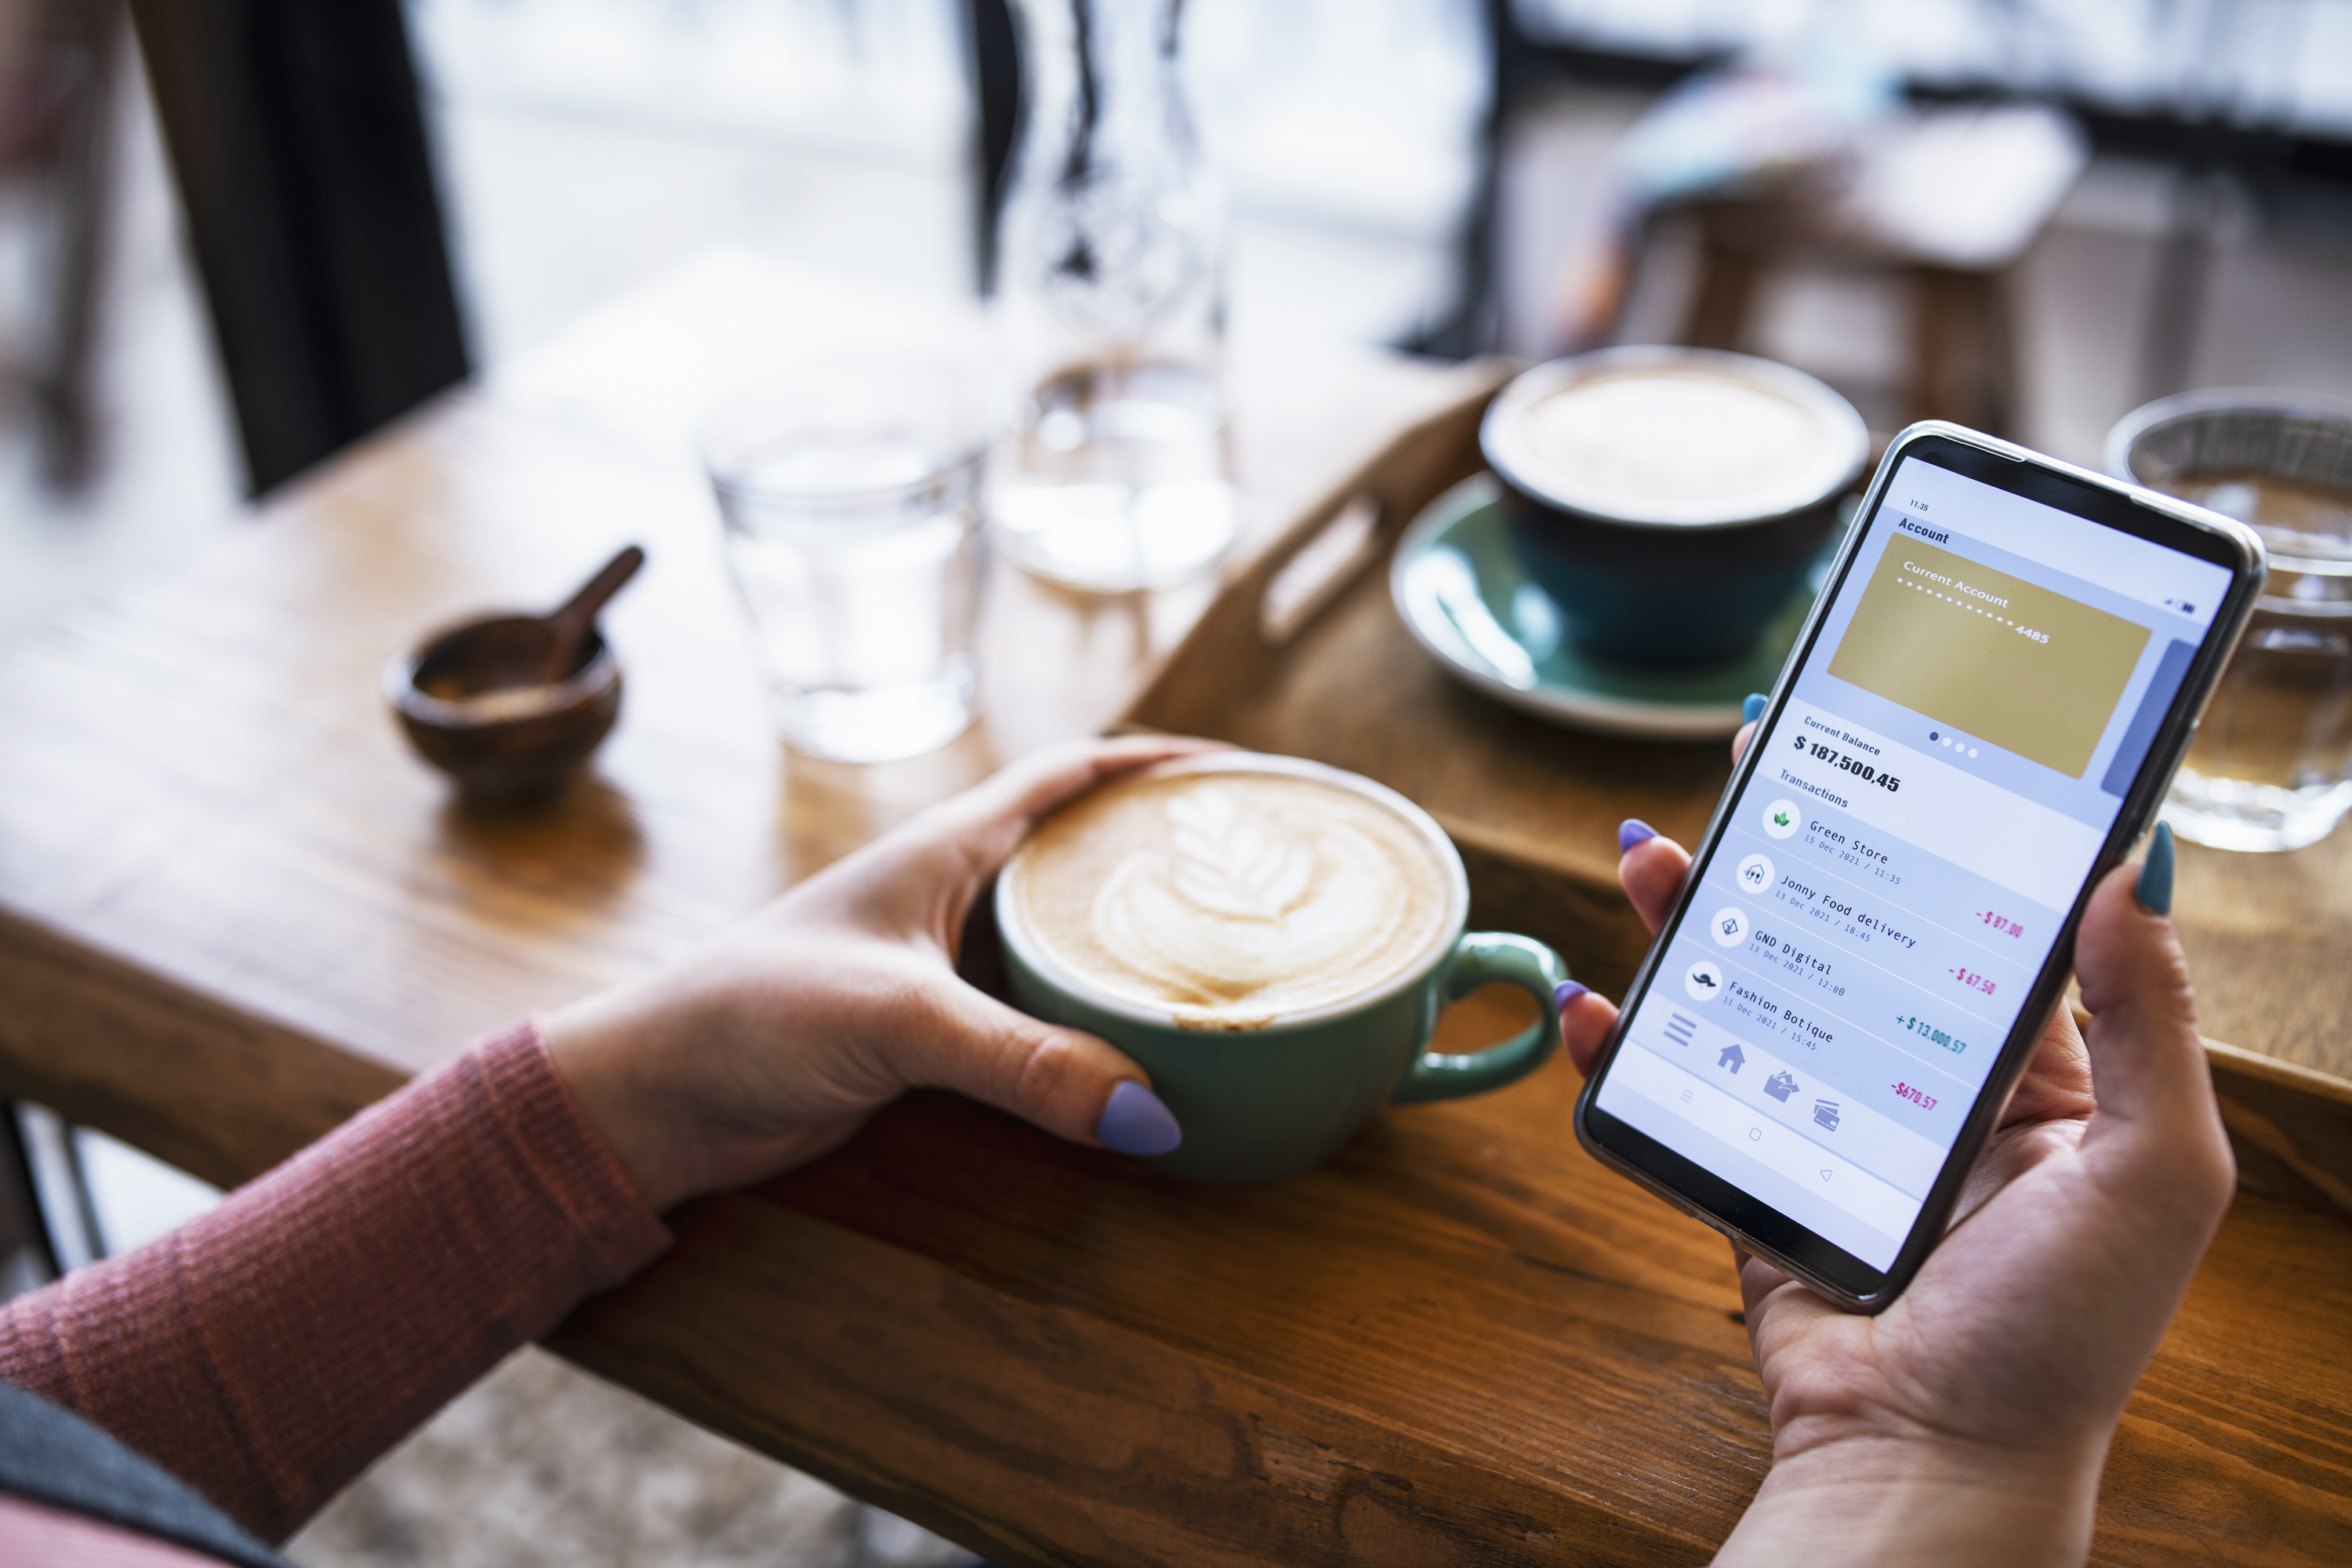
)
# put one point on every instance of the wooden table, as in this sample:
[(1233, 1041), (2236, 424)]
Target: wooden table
[(232, 910)]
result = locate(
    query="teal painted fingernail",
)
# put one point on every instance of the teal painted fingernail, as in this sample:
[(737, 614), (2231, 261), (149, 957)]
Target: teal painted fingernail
[(1633, 831), (2155, 890), (1753, 708), (1138, 1122)]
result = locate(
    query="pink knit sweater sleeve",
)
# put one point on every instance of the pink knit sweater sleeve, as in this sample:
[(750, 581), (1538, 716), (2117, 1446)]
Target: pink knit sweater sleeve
[(270, 1350)]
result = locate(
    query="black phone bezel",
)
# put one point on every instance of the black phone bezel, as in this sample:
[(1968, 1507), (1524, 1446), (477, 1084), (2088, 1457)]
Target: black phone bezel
[(2161, 519)]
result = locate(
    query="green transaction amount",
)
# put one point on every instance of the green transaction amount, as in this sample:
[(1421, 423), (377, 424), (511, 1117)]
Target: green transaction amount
[(1932, 1034)]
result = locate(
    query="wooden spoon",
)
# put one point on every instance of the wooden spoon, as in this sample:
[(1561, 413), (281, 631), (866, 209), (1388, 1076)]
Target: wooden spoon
[(568, 627)]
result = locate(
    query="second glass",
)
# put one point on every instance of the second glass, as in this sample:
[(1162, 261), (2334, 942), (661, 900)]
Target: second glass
[(851, 502), (2270, 767)]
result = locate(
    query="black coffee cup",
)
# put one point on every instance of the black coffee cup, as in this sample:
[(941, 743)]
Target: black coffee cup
[(1671, 501)]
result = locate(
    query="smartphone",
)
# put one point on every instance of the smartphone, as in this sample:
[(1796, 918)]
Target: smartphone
[(2003, 668)]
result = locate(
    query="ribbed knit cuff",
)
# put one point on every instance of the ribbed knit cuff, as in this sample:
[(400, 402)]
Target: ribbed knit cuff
[(578, 1169)]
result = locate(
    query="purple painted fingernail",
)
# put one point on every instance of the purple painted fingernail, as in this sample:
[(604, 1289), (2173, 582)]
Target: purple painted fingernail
[(1633, 831), (1137, 1122), (1568, 991)]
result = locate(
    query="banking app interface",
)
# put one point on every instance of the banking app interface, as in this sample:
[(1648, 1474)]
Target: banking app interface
[(1927, 803)]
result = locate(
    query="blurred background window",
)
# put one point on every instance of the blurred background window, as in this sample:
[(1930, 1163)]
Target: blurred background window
[(2197, 236), (2276, 63), (586, 143)]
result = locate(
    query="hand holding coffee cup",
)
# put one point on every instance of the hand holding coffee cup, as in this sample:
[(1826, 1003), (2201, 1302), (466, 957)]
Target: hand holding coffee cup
[(1671, 501), (773, 1041), (1272, 940)]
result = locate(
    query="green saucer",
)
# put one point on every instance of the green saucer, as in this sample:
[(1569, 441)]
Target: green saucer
[(1466, 598)]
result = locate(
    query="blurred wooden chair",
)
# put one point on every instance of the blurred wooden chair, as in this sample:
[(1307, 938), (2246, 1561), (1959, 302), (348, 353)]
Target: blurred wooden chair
[(1946, 200), (298, 142), (59, 63)]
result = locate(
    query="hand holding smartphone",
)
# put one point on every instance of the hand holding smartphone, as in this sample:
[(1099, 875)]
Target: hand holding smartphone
[(1968, 1423), (1981, 715)]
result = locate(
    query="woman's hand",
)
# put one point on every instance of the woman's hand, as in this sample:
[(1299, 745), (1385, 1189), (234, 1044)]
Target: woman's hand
[(1968, 1422), (775, 1042)]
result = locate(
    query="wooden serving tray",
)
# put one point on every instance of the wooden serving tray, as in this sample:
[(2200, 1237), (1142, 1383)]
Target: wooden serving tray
[(1304, 654)]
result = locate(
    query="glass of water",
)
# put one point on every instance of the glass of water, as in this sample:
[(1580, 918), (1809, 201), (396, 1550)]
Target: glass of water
[(851, 500), (2272, 765)]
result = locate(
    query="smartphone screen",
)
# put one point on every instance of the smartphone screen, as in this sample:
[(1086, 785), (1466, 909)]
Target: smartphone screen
[(1941, 773)]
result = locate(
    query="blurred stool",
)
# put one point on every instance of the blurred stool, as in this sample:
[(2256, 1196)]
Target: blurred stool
[(1946, 200)]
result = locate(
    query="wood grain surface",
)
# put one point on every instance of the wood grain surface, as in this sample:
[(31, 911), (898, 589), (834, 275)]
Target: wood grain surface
[(1460, 1341), (2269, 938), (233, 908)]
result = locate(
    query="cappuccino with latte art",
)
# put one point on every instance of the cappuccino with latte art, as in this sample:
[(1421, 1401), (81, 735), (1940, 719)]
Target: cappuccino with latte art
[(1229, 898), (1271, 941)]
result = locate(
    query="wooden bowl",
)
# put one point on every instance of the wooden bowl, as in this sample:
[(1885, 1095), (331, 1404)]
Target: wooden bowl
[(503, 742)]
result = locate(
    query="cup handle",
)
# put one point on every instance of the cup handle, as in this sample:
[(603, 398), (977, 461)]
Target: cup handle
[(1480, 958)]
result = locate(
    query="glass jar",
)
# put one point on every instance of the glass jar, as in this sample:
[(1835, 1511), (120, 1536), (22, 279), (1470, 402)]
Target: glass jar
[(1116, 474)]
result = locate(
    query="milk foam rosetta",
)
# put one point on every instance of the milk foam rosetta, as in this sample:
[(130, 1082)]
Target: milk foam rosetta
[(1232, 897), (1680, 445)]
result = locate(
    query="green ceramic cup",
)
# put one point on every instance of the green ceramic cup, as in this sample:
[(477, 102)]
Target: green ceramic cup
[(1268, 1101)]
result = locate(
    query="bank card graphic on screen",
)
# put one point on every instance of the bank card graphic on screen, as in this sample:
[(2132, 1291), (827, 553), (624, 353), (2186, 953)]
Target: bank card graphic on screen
[(1989, 654), (1924, 810)]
